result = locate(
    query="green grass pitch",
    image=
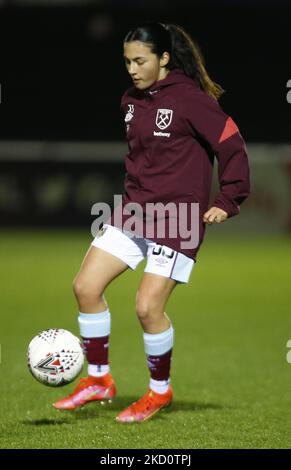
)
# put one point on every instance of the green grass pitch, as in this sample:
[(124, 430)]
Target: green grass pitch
[(230, 376)]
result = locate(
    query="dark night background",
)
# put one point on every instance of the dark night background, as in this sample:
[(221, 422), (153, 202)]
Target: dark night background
[(62, 71), (62, 75)]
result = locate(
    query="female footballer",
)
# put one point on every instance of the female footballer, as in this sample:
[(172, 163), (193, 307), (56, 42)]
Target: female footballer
[(174, 127)]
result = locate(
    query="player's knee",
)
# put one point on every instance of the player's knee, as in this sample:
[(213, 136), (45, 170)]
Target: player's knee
[(84, 291), (80, 289), (146, 308)]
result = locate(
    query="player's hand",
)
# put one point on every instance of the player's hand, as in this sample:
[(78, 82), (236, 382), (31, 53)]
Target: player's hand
[(214, 214)]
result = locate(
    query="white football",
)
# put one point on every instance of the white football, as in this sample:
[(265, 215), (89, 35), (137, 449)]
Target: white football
[(55, 357)]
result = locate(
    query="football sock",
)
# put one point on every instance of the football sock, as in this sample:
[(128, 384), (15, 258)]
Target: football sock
[(158, 348), (95, 331)]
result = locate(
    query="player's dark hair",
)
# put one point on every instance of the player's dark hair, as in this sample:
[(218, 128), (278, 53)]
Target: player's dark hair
[(184, 52)]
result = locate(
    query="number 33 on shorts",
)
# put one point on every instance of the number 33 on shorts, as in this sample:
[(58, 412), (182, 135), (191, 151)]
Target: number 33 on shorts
[(164, 261)]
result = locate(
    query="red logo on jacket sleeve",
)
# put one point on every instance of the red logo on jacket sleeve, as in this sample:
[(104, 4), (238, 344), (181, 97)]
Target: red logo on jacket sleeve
[(230, 128)]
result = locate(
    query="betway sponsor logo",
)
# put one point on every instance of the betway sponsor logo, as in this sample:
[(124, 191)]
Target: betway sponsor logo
[(162, 134)]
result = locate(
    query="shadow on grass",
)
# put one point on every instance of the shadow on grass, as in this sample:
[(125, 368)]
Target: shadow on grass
[(95, 410), (46, 422)]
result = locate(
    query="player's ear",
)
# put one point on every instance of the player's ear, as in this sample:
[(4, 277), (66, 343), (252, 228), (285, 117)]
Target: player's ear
[(165, 59)]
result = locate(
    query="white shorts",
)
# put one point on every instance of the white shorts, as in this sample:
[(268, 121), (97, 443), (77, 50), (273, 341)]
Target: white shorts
[(132, 250)]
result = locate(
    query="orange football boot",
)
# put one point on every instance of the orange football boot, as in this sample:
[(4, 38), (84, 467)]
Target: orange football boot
[(146, 406), (89, 389)]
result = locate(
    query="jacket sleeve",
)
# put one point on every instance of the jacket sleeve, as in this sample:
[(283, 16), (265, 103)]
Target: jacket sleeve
[(208, 121)]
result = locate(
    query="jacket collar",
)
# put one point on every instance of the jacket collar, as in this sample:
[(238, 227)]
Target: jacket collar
[(174, 76)]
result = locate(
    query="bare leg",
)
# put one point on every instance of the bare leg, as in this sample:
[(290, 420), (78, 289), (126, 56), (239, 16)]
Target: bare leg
[(98, 269), (152, 296)]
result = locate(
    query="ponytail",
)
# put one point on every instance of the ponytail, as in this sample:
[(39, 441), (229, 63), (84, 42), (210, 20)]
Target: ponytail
[(186, 55)]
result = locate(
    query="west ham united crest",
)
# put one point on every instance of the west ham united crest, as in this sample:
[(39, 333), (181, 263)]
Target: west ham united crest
[(164, 118)]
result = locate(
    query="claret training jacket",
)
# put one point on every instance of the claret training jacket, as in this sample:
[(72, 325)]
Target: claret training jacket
[(174, 130)]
